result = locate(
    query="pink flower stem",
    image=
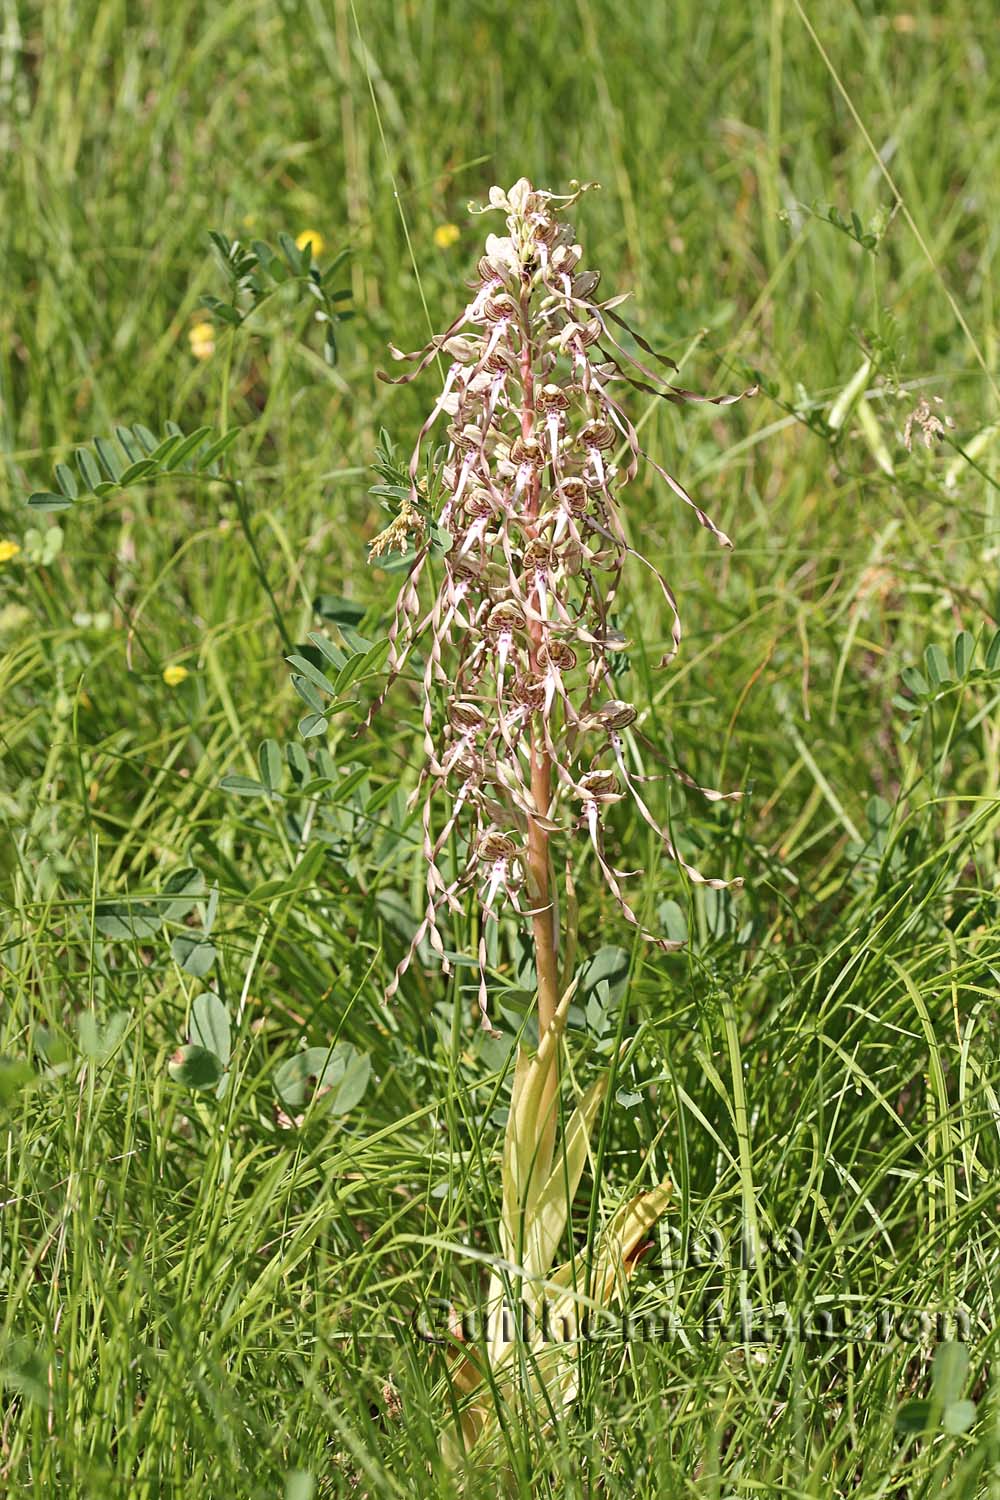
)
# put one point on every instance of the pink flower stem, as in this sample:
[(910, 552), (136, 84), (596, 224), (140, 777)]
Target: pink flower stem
[(539, 860)]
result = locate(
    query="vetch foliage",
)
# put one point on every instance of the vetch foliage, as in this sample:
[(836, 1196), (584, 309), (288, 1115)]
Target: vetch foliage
[(256, 271), (134, 456)]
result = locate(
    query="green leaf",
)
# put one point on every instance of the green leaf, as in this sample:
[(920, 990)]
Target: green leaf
[(26, 1371), (265, 255), (326, 648), (271, 764), (49, 543), (186, 447), (308, 693), (131, 449), (993, 652), (185, 885), (297, 1078), (242, 786), (126, 920), (596, 1016), (89, 471), (350, 784), (219, 447), (210, 1026), (162, 452), (338, 609), (97, 1040), (353, 640), (16, 1076), (52, 1045), (193, 953), (147, 440), (959, 1417), (936, 665), (949, 1370), (298, 762), (270, 263), (879, 814), (516, 1002), (300, 879), (222, 245), (312, 725), (673, 922), (48, 500), (349, 673), (299, 1485), (606, 975), (211, 911), (337, 1076), (316, 784), (374, 659), (915, 681), (195, 1067), (292, 254), (226, 311), (379, 799), (141, 469), (333, 267), (305, 667), (266, 891), (913, 1416), (66, 480), (965, 650), (108, 454)]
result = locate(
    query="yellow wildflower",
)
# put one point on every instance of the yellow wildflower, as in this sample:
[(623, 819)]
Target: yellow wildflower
[(174, 676), (201, 337), (9, 550), (312, 238), (446, 235)]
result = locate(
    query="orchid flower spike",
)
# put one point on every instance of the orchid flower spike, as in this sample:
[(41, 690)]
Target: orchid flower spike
[(533, 737)]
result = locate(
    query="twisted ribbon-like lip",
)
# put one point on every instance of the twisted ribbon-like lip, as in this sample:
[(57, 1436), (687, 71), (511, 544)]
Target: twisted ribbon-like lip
[(521, 629)]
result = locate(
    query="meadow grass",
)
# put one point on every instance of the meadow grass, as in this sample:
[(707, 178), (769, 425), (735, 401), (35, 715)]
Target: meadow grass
[(200, 1296)]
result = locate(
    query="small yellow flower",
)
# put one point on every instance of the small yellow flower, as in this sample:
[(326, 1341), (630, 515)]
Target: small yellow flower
[(174, 676), (446, 235), (313, 239), (201, 337), (9, 550)]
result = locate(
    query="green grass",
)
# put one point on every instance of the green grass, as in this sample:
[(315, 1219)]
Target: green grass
[(198, 1299)]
